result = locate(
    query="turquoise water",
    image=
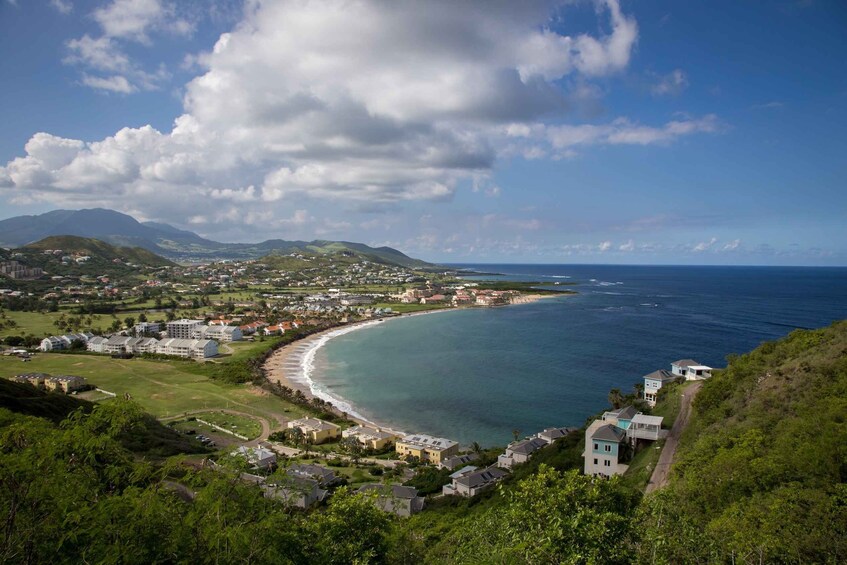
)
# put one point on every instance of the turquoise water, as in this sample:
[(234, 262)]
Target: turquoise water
[(478, 374)]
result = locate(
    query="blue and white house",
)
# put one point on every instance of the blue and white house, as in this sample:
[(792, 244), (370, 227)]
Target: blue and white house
[(605, 437)]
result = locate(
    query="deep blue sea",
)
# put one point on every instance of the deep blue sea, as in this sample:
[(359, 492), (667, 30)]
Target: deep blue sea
[(478, 374)]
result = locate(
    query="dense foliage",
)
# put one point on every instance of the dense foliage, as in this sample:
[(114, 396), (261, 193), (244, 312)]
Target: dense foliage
[(762, 472), (760, 479)]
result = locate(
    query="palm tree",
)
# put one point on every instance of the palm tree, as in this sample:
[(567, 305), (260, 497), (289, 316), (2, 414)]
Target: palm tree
[(476, 449), (616, 399), (516, 433)]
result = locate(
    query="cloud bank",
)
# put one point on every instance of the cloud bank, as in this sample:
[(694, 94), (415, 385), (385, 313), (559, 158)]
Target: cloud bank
[(355, 101)]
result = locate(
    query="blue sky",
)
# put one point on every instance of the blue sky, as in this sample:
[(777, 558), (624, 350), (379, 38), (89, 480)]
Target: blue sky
[(631, 132)]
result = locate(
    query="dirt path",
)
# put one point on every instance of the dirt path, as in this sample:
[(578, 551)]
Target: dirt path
[(662, 471)]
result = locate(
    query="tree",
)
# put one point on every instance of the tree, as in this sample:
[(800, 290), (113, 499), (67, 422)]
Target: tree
[(142, 317), (516, 433), (616, 399), (352, 446), (555, 517)]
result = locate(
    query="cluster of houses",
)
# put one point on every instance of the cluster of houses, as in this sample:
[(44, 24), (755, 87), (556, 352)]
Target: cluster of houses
[(59, 383), (608, 439), (461, 295), (184, 338)]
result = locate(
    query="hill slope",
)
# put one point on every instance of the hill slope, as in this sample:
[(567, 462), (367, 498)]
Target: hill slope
[(97, 249), (123, 230), (762, 469), (151, 437)]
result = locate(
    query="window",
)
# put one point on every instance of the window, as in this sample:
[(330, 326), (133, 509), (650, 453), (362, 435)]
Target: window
[(595, 460), (608, 448), (607, 463), (596, 447)]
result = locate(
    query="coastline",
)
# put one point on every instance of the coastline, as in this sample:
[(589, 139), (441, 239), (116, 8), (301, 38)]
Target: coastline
[(293, 365)]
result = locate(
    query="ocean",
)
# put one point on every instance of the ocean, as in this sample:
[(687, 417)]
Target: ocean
[(478, 374)]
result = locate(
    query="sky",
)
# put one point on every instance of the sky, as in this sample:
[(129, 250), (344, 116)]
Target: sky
[(605, 131)]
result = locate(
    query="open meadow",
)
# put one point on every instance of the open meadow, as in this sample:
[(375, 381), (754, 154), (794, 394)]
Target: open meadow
[(163, 388)]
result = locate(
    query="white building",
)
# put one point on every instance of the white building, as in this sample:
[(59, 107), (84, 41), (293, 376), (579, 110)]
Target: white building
[(191, 348), (57, 343), (691, 370), (183, 329), (96, 344), (218, 333), (654, 382), (147, 327)]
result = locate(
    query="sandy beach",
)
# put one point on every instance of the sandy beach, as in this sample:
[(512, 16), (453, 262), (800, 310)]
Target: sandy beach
[(286, 365)]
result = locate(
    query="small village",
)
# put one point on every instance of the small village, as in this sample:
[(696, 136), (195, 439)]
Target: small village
[(298, 466)]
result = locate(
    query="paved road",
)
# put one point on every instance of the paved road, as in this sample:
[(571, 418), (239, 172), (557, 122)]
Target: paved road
[(662, 471)]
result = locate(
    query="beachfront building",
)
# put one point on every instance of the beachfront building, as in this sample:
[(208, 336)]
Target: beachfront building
[(654, 382), (470, 481), (183, 329), (691, 370), (520, 452), (426, 448), (316, 431), (396, 499), (370, 438)]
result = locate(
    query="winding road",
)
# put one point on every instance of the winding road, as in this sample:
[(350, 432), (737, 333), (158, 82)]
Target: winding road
[(663, 468)]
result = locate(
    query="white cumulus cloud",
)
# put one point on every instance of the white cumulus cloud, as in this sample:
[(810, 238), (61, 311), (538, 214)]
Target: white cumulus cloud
[(345, 101)]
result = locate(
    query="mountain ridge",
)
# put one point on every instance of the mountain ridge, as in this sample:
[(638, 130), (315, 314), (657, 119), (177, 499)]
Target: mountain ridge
[(173, 243)]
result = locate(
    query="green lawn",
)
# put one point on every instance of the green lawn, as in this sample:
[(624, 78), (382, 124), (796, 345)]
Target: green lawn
[(163, 388), (41, 325), (242, 425), (642, 465)]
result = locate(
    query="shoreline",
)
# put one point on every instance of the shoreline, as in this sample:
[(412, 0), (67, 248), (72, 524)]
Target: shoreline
[(292, 365)]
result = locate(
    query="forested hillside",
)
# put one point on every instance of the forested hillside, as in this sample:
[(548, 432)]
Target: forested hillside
[(762, 469), (760, 479)]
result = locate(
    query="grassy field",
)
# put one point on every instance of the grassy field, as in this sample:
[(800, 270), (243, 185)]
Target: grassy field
[(642, 465), (243, 425), (163, 388)]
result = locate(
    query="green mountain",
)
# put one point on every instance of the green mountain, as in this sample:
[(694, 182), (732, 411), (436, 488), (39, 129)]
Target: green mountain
[(99, 251), (162, 239)]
